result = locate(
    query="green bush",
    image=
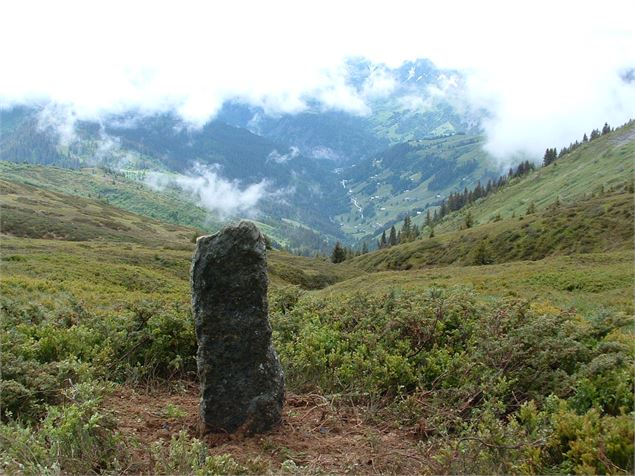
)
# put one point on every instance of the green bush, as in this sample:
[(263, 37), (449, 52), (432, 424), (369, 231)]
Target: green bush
[(189, 456), (490, 386), (161, 344), (550, 440), (493, 387), (72, 438), (44, 349), (592, 443)]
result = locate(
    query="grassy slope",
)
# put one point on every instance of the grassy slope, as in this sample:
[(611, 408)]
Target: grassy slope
[(577, 254), (605, 162), (115, 189), (51, 238), (587, 220), (584, 282), (33, 212), (582, 257), (128, 194), (103, 273), (597, 224)]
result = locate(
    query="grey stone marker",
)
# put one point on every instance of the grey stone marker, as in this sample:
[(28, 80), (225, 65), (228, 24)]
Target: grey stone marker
[(242, 383)]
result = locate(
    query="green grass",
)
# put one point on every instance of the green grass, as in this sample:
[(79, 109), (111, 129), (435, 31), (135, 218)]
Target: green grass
[(584, 282), (34, 212), (115, 189), (108, 274), (599, 224), (606, 162)]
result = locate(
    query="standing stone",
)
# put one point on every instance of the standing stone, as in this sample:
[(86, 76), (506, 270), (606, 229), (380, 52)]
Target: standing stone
[(242, 383)]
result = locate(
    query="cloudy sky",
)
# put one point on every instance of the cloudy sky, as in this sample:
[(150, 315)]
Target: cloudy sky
[(545, 70)]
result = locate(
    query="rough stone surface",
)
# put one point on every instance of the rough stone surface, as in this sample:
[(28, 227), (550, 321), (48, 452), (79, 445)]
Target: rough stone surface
[(242, 383)]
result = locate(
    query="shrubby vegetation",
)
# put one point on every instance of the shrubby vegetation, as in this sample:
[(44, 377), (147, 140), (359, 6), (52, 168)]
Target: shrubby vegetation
[(74, 436), (46, 350), (502, 387), (489, 387), (186, 455), (513, 384)]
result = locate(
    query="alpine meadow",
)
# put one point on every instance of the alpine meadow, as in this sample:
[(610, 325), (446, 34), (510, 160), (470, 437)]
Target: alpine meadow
[(312, 238)]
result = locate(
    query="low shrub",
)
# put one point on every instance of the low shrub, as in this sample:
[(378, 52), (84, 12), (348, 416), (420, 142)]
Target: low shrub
[(75, 437), (186, 455)]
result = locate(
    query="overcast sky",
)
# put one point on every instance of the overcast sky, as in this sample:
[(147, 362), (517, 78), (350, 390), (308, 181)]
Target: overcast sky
[(545, 70)]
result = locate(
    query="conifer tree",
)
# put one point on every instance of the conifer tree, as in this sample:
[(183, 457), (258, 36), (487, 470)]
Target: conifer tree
[(550, 156), (406, 230), (339, 254), (444, 210), (469, 220), (382, 241), (392, 240), (483, 253), (268, 244)]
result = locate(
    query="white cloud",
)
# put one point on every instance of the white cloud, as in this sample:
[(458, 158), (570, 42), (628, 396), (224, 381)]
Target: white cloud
[(60, 120), (324, 153), (544, 70), (212, 192), (379, 83), (278, 158), (416, 103)]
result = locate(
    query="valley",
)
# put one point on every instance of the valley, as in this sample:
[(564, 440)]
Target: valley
[(482, 349), (438, 272)]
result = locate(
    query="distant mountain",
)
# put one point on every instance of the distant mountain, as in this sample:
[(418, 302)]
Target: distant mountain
[(413, 101), (330, 175), (299, 189)]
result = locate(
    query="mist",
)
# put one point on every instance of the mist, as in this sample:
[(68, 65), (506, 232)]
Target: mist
[(204, 185), (544, 73)]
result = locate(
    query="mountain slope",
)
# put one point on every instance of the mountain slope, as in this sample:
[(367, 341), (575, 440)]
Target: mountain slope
[(598, 165), (583, 203), (598, 224), (169, 205), (406, 103), (293, 187), (295, 155), (113, 188), (408, 178), (58, 227), (37, 213)]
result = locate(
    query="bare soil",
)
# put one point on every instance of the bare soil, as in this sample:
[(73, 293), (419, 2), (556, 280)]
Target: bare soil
[(316, 435)]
